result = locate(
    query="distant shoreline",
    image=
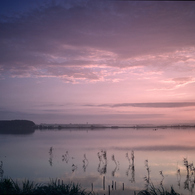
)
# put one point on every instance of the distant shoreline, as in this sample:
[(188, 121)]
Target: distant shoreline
[(25, 126), (99, 126)]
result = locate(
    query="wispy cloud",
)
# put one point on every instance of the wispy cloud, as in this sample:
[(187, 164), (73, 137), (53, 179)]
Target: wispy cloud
[(180, 81), (174, 83), (148, 105)]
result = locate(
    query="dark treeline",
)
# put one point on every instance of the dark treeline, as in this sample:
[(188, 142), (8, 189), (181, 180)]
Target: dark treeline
[(16, 127), (99, 126)]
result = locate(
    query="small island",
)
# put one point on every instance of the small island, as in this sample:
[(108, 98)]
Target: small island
[(17, 127)]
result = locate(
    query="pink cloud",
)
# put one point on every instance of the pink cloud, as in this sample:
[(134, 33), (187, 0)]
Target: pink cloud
[(55, 35), (175, 83)]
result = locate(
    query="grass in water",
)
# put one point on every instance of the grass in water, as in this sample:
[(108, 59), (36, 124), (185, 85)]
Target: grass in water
[(9, 187), (152, 190)]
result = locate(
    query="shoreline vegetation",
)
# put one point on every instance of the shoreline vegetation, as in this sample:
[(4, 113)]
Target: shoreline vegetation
[(8, 187), (28, 127), (17, 127), (101, 126)]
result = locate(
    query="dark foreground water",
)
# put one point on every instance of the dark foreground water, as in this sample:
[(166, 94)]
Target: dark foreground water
[(133, 157)]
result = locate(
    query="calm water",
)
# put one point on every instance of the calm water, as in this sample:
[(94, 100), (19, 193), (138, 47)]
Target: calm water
[(86, 156)]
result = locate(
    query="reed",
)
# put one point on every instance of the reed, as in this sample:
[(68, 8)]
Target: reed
[(152, 190), (9, 187)]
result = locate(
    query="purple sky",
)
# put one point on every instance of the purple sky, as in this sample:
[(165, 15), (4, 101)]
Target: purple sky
[(97, 61)]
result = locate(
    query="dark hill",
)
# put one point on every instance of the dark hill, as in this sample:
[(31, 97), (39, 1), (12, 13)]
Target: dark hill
[(17, 127)]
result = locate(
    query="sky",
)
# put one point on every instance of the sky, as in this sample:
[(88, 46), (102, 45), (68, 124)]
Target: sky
[(104, 62)]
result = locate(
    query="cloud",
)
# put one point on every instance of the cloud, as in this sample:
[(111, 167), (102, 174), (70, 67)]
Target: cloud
[(148, 105), (66, 39), (174, 83), (182, 81)]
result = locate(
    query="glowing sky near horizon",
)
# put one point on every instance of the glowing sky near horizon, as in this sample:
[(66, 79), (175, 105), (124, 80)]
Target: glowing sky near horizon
[(97, 61)]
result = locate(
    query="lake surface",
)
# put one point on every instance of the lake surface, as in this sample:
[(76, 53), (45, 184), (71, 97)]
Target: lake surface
[(133, 157)]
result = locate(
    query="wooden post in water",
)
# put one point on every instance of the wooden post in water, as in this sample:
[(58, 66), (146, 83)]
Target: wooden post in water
[(103, 182), (123, 186), (112, 184), (58, 181), (108, 189), (115, 185), (92, 187)]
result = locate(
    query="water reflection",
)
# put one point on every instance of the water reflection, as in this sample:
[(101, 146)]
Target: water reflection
[(50, 156), (161, 182), (135, 158), (116, 165), (189, 182), (178, 177), (102, 166), (65, 157), (131, 167), (190, 179), (147, 177), (74, 168), (85, 162), (1, 169)]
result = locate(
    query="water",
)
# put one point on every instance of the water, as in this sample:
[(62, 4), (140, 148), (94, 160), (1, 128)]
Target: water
[(86, 156)]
